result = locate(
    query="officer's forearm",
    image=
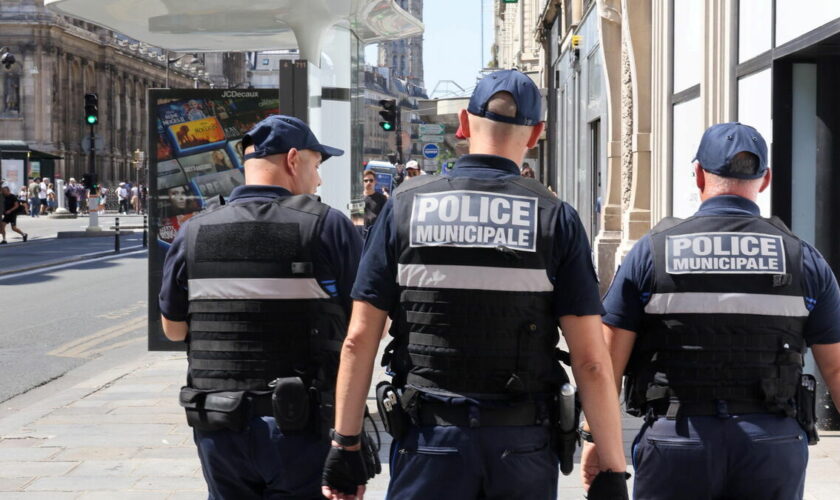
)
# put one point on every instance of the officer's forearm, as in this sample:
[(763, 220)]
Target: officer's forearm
[(596, 382), (356, 368), (620, 345)]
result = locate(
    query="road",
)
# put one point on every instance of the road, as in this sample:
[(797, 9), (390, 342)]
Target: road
[(54, 320)]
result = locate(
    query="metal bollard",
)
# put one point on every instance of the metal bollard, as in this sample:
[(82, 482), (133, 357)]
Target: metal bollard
[(117, 235), (145, 231)]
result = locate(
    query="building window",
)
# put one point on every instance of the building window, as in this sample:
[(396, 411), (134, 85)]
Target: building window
[(686, 133), (688, 43), (265, 62), (755, 105), (755, 25), (795, 18)]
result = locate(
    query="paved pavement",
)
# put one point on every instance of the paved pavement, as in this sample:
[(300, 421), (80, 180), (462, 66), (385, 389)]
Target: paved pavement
[(119, 433), (44, 249)]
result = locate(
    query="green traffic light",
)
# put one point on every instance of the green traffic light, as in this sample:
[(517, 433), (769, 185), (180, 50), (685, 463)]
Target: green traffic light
[(386, 126), (92, 120)]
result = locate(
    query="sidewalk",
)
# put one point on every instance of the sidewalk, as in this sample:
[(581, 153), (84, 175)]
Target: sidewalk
[(44, 249), (120, 433)]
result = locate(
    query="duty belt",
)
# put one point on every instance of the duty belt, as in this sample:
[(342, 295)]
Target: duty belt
[(474, 416), (721, 408)]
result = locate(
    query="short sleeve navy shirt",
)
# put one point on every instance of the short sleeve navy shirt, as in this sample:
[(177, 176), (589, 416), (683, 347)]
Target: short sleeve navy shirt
[(571, 271), (631, 288), (336, 261)]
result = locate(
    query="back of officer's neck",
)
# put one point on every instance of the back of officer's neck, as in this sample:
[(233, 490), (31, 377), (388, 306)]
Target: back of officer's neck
[(514, 153), (265, 173)]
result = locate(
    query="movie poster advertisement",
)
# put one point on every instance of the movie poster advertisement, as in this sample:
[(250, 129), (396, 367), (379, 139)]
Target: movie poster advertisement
[(194, 140)]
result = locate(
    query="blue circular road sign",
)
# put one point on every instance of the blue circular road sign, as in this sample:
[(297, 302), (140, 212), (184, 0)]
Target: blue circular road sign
[(431, 151)]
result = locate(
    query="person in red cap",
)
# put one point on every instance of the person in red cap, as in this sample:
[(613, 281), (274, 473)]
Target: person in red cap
[(477, 268), (258, 288)]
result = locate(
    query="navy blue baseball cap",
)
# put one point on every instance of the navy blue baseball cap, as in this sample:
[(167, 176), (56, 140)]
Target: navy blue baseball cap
[(721, 142), (525, 93), (277, 134)]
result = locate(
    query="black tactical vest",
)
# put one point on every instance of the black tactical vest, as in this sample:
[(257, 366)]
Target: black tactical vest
[(256, 311), (723, 328), (475, 315)]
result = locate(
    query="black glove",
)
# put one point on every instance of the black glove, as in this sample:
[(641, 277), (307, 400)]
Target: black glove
[(344, 470), (609, 485)]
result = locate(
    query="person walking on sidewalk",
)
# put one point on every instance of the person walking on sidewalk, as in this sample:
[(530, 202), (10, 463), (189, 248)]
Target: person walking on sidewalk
[(11, 208), (122, 196), (34, 201), (72, 194), (42, 195), (52, 201), (710, 318), (259, 288), (475, 310)]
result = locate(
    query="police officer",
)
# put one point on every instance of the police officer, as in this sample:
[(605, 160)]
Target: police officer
[(259, 290), (475, 269), (711, 316)]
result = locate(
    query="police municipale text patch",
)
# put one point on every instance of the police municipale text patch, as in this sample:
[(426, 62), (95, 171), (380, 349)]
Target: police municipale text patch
[(474, 219), (725, 253)]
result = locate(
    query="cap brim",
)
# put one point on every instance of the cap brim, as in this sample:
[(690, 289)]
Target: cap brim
[(327, 151)]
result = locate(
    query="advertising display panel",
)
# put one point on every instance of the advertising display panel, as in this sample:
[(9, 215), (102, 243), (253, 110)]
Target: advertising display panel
[(194, 140)]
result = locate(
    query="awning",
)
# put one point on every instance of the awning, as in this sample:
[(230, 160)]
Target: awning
[(20, 149), (229, 26)]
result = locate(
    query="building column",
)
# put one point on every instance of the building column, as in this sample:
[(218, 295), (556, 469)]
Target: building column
[(661, 110), (636, 217), (609, 238), (719, 57)]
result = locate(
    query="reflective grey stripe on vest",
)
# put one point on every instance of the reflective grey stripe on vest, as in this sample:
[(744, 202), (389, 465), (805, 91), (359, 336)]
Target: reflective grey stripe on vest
[(726, 303), (502, 279), (255, 289)]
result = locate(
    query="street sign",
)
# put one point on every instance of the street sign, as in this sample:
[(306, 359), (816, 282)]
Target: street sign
[(430, 165), (431, 128), (431, 151), (431, 138)]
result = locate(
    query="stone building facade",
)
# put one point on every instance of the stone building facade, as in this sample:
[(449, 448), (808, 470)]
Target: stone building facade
[(515, 45), (405, 57), (59, 59)]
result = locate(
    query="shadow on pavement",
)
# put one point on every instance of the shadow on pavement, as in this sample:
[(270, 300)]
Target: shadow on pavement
[(48, 275)]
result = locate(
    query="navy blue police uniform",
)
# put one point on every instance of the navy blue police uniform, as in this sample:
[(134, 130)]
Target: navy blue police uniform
[(475, 268), (724, 304), (263, 283)]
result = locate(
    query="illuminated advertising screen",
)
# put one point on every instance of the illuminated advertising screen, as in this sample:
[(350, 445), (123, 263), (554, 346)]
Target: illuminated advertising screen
[(195, 155)]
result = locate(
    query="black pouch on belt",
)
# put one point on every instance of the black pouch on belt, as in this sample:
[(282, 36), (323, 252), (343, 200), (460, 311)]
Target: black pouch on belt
[(290, 404), (213, 411), (394, 417), (806, 407)]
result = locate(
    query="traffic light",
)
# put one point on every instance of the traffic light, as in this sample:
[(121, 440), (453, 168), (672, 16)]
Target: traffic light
[(89, 182), (389, 114), (91, 109)]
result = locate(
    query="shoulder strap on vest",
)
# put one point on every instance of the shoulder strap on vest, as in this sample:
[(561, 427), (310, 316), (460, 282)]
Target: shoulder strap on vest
[(308, 203), (532, 185), (780, 225), (666, 224)]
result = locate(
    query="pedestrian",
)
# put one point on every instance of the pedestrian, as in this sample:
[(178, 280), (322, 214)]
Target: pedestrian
[(23, 199), (259, 289), (135, 199), (52, 201), (71, 192), (122, 197), (144, 196), (11, 209), (103, 199), (709, 318), (374, 200), (476, 269), (43, 185), (412, 169), (33, 190), (82, 197)]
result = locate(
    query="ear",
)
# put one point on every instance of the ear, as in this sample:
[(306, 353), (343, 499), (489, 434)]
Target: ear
[(699, 176), (292, 159), (768, 176), (464, 122), (535, 134)]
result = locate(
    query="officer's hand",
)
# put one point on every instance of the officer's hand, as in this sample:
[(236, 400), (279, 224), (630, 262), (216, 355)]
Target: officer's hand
[(589, 464), (344, 475), (609, 485)]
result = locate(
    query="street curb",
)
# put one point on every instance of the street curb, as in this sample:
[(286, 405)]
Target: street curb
[(69, 260)]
